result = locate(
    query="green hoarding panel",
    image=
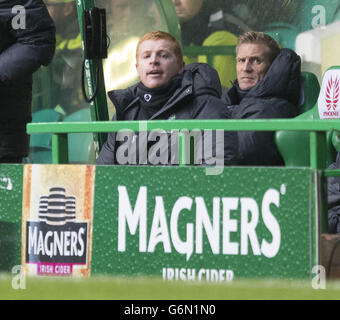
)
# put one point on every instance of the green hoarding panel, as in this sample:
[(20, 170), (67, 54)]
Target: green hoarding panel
[(179, 223), (10, 215)]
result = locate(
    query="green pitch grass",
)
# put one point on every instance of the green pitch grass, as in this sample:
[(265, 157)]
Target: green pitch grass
[(156, 289)]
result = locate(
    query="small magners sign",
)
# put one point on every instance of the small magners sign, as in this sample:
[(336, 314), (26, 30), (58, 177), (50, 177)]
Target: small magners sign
[(57, 219)]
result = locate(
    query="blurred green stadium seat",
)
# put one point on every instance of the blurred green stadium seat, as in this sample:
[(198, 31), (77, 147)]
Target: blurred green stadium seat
[(310, 91), (294, 145), (284, 33), (80, 145), (45, 115), (40, 144)]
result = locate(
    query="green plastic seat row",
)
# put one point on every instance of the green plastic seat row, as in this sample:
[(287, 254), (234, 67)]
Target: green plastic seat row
[(40, 144), (80, 145), (80, 151), (294, 145)]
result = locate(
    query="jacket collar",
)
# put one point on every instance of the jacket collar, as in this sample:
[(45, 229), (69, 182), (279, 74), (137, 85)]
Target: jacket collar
[(127, 103), (179, 95), (198, 79)]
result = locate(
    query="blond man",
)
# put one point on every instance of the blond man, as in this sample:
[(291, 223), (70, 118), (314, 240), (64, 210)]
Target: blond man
[(267, 86)]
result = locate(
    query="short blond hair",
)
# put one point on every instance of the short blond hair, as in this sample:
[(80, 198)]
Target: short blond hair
[(157, 35), (260, 37)]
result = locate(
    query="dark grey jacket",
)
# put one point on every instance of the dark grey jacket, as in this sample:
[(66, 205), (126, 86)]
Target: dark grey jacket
[(334, 199), (196, 98), (22, 51), (275, 96)]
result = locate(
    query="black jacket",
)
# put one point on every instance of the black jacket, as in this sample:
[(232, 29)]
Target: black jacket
[(334, 199), (27, 44), (275, 96), (196, 98), (202, 21)]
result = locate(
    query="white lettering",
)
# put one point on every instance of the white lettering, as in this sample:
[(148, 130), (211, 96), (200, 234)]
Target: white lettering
[(67, 243), (32, 240), (229, 225), (54, 243), (41, 249), (74, 241), (159, 230), (48, 249), (270, 250), (249, 205), (236, 235), (81, 232), (58, 244), (212, 229), (133, 218), (184, 247)]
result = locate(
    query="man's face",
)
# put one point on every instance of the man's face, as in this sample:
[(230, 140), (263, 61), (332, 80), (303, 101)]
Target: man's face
[(157, 63), (56, 11), (187, 9), (252, 63), (60, 12)]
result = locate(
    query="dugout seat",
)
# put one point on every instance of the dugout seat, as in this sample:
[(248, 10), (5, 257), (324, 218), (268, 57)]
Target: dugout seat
[(284, 33), (40, 143), (294, 145), (80, 145), (310, 91)]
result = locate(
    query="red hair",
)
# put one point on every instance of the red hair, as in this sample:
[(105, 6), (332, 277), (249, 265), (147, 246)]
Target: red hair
[(158, 35)]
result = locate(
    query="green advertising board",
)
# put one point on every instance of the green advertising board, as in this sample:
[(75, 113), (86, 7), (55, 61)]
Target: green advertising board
[(173, 222), (179, 223), (11, 177)]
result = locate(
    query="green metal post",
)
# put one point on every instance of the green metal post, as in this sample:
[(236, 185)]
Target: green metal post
[(168, 14), (318, 150), (59, 148), (318, 162), (181, 149), (99, 111)]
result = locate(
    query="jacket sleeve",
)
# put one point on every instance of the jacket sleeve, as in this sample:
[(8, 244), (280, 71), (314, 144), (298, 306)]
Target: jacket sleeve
[(107, 153), (31, 39), (258, 147), (212, 108), (334, 199)]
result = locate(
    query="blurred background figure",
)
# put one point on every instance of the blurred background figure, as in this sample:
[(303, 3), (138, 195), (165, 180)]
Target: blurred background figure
[(202, 24), (126, 17), (244, 15), (23, 49), (57, 91), (58, 87), (120, 12), (127, 20), (309, 27)]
